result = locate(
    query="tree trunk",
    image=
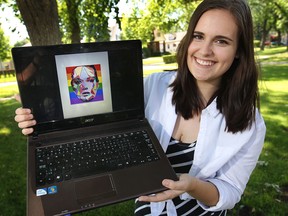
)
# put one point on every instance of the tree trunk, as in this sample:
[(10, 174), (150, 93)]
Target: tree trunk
[(73, 14), (279, 37), (265, 32), (263, 40), (41, 20), (287, 40)]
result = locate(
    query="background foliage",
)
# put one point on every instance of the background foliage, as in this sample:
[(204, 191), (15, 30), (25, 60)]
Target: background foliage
[(87, 20), (166, 16), (4, 46)]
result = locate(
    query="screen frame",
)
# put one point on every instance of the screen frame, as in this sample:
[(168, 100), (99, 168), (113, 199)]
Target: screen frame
[(19, 55)]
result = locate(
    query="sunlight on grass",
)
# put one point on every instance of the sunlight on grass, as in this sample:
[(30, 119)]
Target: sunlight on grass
[(152, 60), (278, 54), (5, 131), (279, 86), (4, 79), (280, 118), (271, 51), (274, 106)]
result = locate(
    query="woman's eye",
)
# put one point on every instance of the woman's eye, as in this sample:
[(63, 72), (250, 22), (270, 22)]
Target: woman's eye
[(223, 42), (197, 37)]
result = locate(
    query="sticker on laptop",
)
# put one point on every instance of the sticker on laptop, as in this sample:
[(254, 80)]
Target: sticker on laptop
[(52, 190), (41, 192)]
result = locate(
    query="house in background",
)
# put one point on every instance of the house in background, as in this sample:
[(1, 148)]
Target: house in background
[(7, 69), (165, 43), (172, 41)]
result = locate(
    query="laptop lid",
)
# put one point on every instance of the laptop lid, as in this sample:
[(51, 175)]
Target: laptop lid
[(114, 69)]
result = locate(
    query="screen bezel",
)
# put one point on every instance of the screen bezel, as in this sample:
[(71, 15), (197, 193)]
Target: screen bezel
[(25, 55)]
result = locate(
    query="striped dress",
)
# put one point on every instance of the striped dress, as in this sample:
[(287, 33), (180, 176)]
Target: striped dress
[(181, 157)]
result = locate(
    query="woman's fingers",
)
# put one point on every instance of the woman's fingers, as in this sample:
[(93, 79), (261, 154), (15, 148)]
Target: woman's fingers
[(23, 115), (25, 120), (26, 124), (27, 131)]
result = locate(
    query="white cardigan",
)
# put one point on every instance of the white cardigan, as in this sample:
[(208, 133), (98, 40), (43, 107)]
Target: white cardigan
[(223, 158)]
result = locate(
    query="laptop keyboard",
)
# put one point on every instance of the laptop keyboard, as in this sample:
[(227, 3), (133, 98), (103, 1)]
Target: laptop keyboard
[(92, 156)]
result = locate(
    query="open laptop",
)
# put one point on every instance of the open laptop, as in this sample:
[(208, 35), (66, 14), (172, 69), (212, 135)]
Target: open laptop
[(83, 96)]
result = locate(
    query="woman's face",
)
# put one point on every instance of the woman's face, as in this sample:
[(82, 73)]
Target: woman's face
[(84, 83), (214, 46)]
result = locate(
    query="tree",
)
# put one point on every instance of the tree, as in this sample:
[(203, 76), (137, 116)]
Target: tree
[(269, 15), (86, 19), (41, 20), (167, 16), (263, 15), (282, 6), (95, 18), (69, 13), (4, 46)]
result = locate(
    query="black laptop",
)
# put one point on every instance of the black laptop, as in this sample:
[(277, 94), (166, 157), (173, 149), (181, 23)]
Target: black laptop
[(92, 145)]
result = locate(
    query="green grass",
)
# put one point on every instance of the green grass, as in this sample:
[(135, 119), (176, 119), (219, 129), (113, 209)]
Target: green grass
[(266, 193), (152, 60), (10, 87), (8, 78), (156, 64), (277, 54)]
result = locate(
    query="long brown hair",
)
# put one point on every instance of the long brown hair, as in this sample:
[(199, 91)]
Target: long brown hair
[(237, 96)]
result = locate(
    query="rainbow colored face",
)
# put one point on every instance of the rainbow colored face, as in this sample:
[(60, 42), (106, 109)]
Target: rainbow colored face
[(84, 82)]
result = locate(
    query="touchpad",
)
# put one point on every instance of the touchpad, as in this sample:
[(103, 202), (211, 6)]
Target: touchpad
[(95, 188)]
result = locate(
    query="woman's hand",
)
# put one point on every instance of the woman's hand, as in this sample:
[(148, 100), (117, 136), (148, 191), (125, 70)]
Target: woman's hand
[(203, 191), (186, 183), (25, 120)]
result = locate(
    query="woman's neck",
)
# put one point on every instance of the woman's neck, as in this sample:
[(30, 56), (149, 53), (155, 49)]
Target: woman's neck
[(207, 91)]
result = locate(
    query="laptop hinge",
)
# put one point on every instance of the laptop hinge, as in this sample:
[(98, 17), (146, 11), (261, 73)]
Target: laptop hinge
[(34, 136)]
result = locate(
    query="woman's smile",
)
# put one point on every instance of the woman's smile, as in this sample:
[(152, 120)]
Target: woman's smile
[(204, 62)]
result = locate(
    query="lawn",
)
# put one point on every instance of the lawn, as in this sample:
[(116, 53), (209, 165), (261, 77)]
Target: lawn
[(266, 193)]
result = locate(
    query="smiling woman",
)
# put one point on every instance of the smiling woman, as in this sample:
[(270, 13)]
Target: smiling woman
[(204, 114), (215, 96)]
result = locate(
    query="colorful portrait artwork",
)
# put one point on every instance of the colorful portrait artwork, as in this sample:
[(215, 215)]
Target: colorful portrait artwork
[(84, 83)]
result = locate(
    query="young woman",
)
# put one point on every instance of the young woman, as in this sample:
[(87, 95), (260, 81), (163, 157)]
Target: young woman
[(205, 114)]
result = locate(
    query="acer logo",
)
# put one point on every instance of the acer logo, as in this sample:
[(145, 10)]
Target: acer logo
[(88, 120)]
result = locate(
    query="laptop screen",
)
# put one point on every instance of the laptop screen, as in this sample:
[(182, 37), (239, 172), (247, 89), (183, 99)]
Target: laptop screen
[(68, 86)]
